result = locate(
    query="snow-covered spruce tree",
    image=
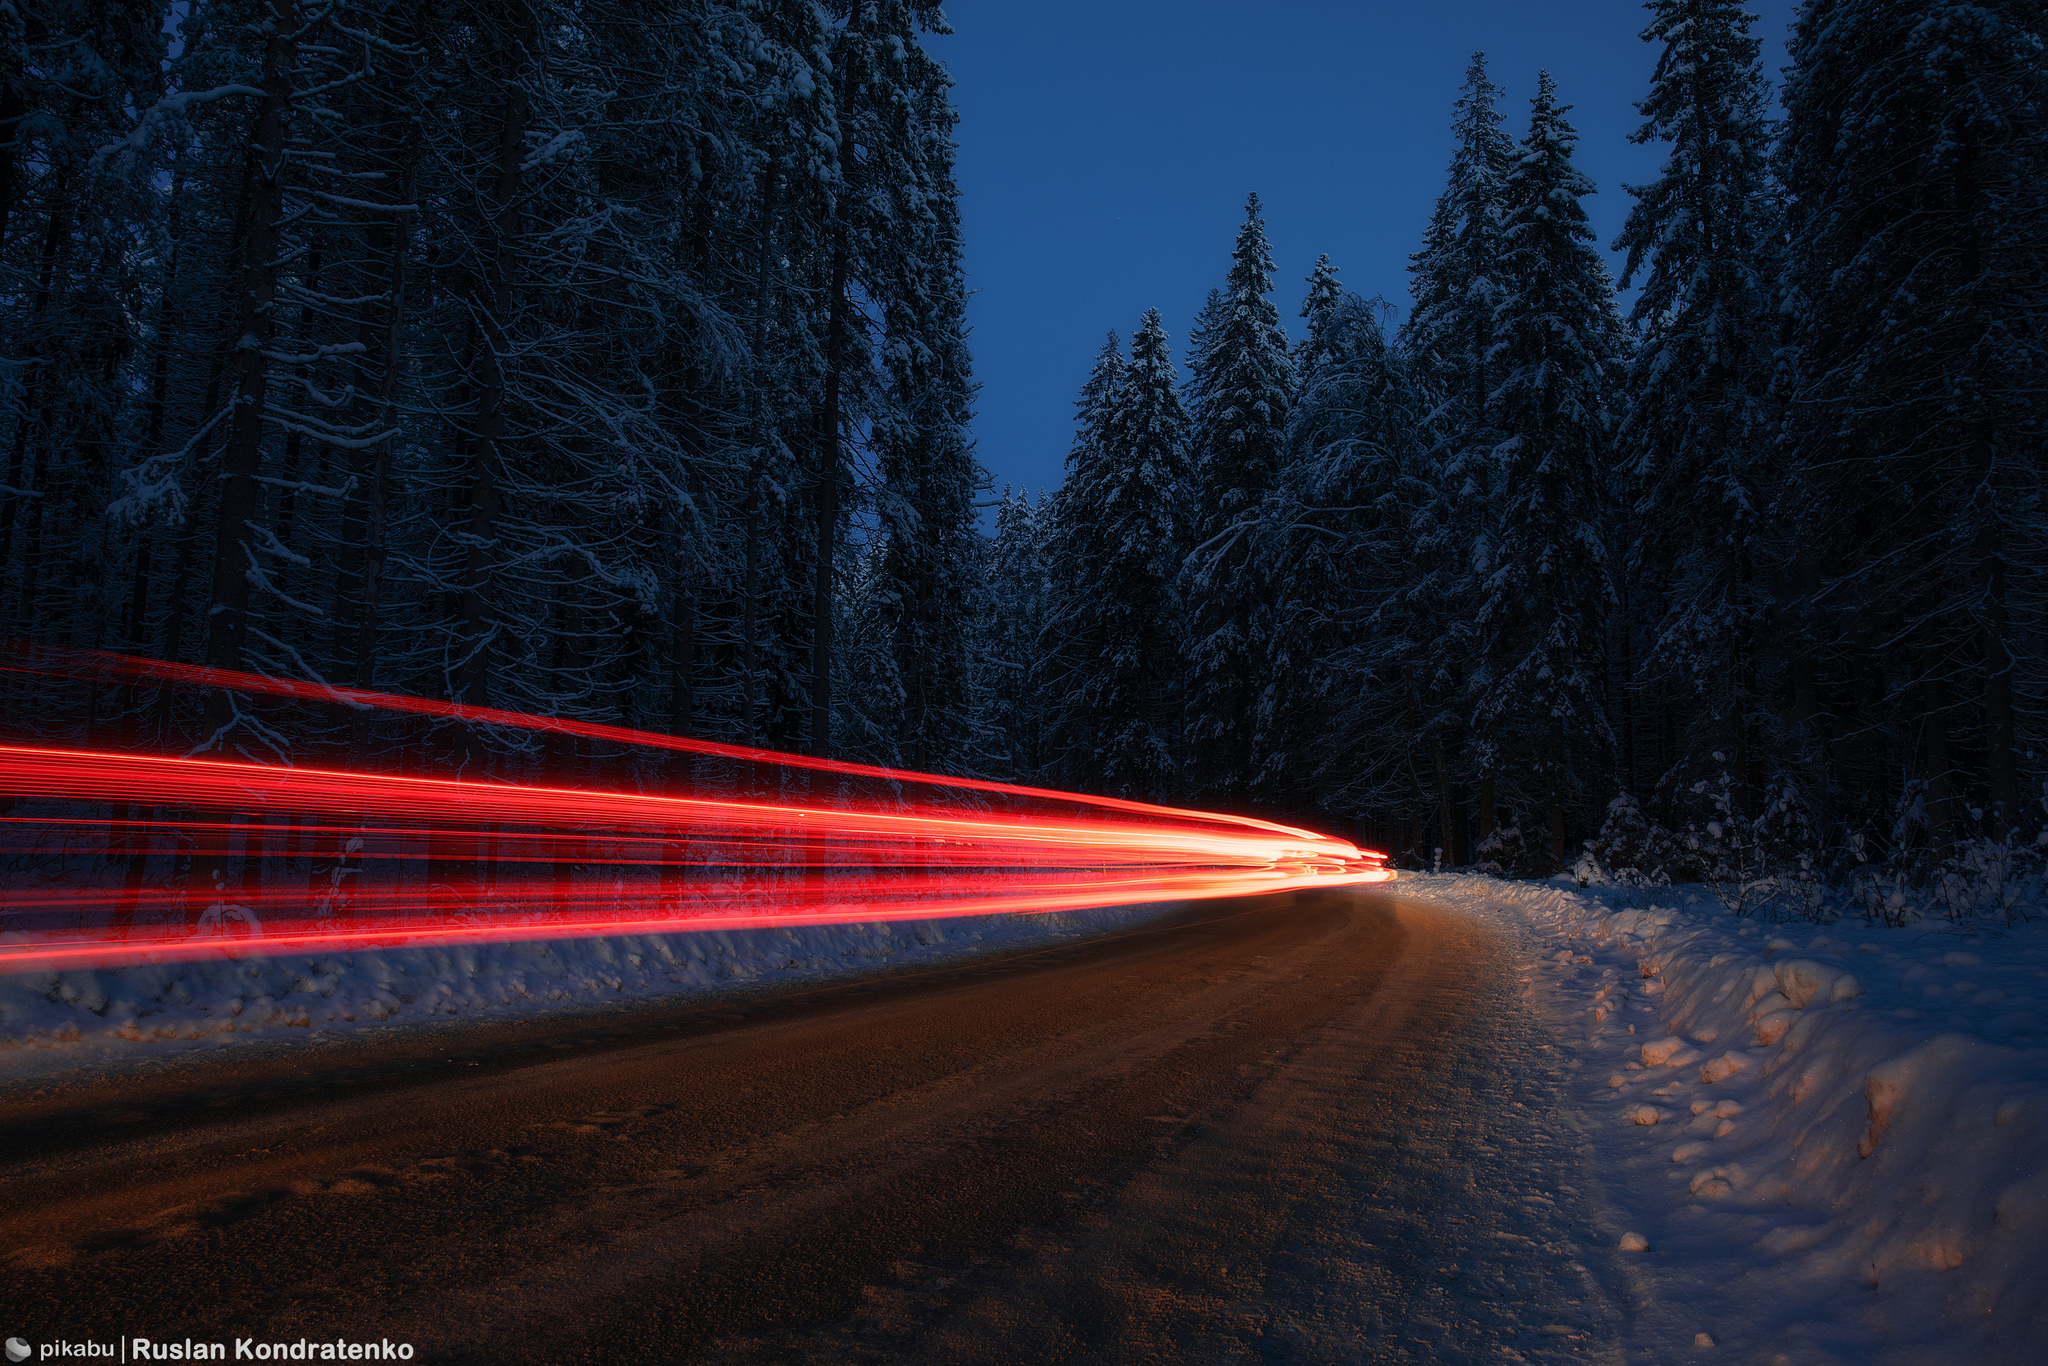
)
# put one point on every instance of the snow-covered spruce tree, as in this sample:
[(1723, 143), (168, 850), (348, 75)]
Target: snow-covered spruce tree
[(1325, 291), (1062, 661), (1915, 164), (1336, 724), (748, 611), (1456, 283), (1115, 623), (69, 291), (1557, 352), (928, 472), (1696, 423), (1243, 383), (1456, 276), (622, 375), (1013, 718)]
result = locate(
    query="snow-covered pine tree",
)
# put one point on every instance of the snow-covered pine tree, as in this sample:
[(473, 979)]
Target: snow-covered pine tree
[(1915, 164), (1335, 720), (1066, 649), (1456, 284), (1557, 352), (1456, 276), (1203, 335), (72, 74), (1243, 384), (1317, 310), (1695, 428), (1116, 624), (1013, 717), (747, 609), (929, 474)]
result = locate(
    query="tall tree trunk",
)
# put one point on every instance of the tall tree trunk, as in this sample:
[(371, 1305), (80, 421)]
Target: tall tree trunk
[(750, 603), (242, 458), (1941, 803), (13, 108), (1446, 822), (487, 447), (1806, 702), (294, 447), (1741, 684), (166, 313), (828, 509), (360, 569), (159, 395), (1557, 795), (1622, 678), (180, 591), (1993, 628), (179, 605), (829, 420), (35, 394), (750, 614), (227, 622), (682, 663), (1992, 624)]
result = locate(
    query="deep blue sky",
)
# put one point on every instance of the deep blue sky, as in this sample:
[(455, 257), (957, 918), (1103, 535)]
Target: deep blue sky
[(1106, 149)]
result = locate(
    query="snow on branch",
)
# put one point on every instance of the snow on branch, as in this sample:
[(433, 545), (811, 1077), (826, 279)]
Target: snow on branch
[(359, 438), (152, 120), (260, 578), (155, 481), (548, 150), (308, 672), (302, 486), (272, 546), (319, 352), (382, 44), (347, 203)]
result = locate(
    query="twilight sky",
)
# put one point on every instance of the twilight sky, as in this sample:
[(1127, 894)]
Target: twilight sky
[(1106, 149)]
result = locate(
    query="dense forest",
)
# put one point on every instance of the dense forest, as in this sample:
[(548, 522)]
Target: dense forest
[(1749, 578), (524, 354), (608, 361)]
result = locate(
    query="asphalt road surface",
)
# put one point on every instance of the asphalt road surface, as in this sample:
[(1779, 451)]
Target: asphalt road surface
[(1280, 1129)]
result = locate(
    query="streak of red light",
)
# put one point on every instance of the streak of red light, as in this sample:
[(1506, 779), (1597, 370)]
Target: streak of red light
[(661, 862), (60, 661)]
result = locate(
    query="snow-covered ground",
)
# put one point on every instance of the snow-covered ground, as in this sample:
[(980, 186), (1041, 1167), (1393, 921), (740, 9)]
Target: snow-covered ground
[(1796, 1144), (52, 1022), (1803, 1144)]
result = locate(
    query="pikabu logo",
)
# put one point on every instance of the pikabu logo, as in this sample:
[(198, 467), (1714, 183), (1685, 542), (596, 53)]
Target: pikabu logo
[(17, 1350)]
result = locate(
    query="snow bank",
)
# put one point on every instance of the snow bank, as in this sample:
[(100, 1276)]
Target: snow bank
[(59, 1020), (1830, 1145)]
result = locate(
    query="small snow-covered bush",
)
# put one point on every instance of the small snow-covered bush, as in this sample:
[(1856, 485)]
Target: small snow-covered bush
[(1631, 850), (1505, 852), (1983, 881)]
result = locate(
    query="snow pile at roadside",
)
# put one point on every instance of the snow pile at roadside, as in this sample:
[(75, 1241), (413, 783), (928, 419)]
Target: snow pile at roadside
[(1830, 1141), (154, 1008)]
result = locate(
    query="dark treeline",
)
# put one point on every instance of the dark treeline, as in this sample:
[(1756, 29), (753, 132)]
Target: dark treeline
[(1753, 575), (524, 354), (607, 361)]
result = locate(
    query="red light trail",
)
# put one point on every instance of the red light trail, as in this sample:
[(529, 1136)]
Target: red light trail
[(421, 860)]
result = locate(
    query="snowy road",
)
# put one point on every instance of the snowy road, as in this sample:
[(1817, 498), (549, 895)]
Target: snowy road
[(1313, 1129)]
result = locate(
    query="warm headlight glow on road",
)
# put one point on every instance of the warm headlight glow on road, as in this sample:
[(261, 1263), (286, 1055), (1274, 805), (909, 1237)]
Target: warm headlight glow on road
[(422, 860)]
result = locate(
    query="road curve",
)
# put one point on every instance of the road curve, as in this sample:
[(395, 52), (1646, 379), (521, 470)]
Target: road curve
[(1083, 1153)]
